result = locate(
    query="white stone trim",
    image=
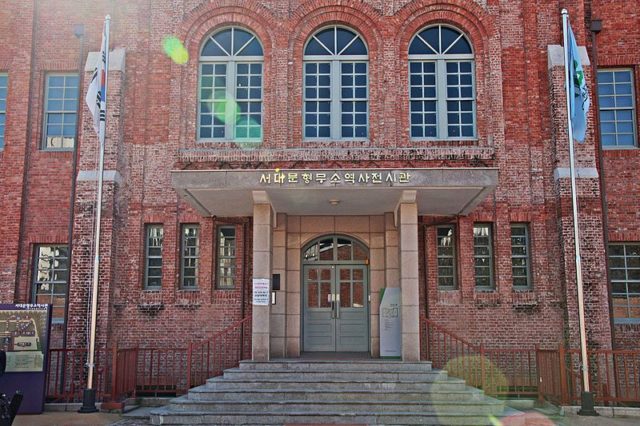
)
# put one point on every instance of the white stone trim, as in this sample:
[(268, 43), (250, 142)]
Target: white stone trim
[(116, 60), (92, 175), (556, 56), (581, 173)]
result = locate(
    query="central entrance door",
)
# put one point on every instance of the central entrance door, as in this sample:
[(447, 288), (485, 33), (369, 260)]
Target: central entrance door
[(335, 296)]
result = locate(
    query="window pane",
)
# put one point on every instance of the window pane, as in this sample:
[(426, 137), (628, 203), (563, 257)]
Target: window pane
[(483, 255), (625, 279), (446, 257), (51, 278), (617, 108), (60, 107), (189, 255), (226, 242), (520, 261)]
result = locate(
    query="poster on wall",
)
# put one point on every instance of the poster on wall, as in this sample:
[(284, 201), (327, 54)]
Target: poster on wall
[(261, 292), (24, 336), (390, 324)]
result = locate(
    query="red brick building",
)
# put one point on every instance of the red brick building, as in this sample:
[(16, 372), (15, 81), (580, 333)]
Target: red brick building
[(346, 147)]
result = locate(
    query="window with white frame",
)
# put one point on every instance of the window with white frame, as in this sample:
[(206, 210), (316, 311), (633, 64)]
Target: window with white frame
[(51, 277), (336, 85), (60, 112), (446, 239), (483, 255), (520, 257), (189, 256), (153, 256), (441, 85), (226, 256), (617, 108), (3, 107), (624, 273), (230, 86)]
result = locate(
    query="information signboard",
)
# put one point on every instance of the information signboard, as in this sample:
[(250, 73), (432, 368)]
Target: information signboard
[(261, 292), (24, 336), (390, 324)]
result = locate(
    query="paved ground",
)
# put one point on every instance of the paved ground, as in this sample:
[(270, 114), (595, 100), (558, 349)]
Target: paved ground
[(100, 419)]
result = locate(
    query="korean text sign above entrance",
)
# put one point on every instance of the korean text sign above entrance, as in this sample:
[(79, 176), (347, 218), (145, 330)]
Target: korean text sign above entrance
[(335, 178)]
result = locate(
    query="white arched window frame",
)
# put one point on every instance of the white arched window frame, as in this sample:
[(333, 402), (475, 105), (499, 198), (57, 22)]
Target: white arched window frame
[(230, 86), (442, 93), (336, 85)]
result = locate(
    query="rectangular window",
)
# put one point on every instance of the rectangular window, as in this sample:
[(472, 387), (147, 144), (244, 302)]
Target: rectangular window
[(317, 100), (446, 238), (189, 256), (336, 100), (221, 118), (51, 277), (249, 98), (617, 108), (520, 258), (226, 256), (3, 107), (153, 256), (624, 272), (442, 99), (60, 113), (483, 255)]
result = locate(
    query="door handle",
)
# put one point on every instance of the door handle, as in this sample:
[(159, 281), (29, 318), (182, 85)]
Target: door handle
[(337, 298)]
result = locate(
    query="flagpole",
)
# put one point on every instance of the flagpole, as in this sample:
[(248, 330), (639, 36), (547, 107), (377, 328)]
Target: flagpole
[(587, 396), (89, 394)]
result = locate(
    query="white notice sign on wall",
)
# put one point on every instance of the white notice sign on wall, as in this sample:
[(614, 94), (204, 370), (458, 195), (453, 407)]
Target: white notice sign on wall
[(390, 325), (261, 292)]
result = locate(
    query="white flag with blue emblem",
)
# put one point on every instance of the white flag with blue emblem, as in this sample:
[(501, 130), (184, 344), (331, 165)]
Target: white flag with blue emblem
[(578, 92)]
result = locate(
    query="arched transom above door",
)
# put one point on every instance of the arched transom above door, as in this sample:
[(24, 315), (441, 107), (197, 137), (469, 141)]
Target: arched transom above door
[(335, 249)]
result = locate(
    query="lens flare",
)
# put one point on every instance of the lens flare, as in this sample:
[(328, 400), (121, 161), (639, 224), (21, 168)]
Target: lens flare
[(175, 50)]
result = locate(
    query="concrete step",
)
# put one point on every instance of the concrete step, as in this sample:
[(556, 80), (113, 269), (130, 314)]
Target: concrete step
[(487, 408), (446, 384), (428, 376), (373, 366), (204, 393), (166, 417)]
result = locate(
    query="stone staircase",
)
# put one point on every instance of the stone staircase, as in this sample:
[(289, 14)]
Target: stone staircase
[(302, 391)]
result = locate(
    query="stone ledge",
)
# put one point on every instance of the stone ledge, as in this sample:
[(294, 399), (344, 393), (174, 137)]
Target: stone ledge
[(473, 153)]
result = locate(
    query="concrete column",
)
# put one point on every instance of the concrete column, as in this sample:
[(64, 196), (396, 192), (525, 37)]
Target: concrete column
[(279, 310), (407, 219), (262, 224)]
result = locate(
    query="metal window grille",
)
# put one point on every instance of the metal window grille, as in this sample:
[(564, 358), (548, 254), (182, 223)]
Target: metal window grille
[(617, 108), (336, 86), (189, 256), (3, 106), (520, 257), (60, 116), (446, 241), (442, 102), (51, 277), (226, 256), (624, 272), (483, 255), (154, 235), (230, 87)]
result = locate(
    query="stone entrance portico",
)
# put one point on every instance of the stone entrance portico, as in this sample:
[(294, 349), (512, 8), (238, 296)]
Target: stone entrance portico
[(291, 208)]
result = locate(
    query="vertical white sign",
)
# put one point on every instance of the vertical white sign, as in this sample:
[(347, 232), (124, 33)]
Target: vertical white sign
[(390, 324), (261, 293)]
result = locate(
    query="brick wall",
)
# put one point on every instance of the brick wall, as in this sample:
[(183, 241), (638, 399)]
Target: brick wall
[(519, 116)]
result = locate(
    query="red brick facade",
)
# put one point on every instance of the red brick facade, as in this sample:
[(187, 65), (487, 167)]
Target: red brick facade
[(152, 118)]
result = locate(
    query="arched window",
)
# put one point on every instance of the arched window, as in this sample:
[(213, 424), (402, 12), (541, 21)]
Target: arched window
[(441, 85), (336, 92), (230, 92)]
